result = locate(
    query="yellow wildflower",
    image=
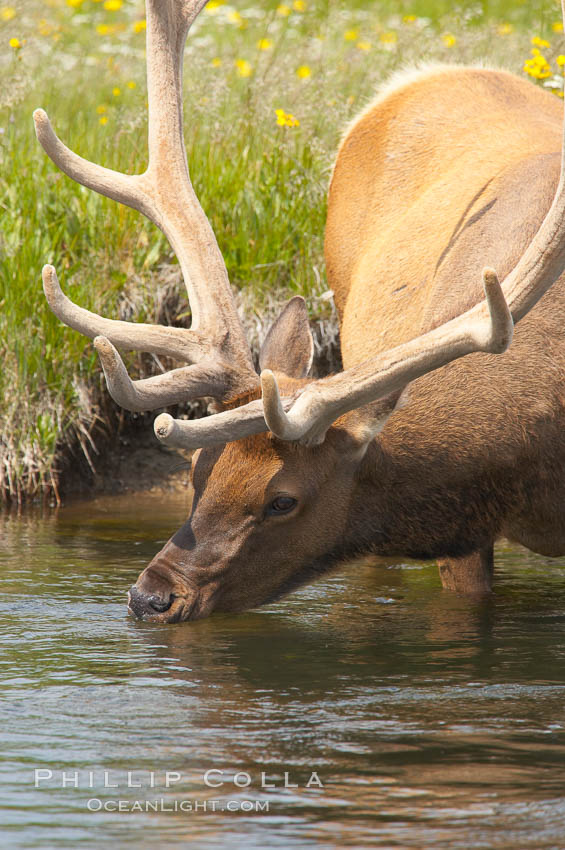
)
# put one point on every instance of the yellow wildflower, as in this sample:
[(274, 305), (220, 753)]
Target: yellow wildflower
[(7, 13), (540, 42), (116, 91), (74, 4), (363, 45), (537, 67), (102, 109), (351, 35), (265, 44), (16, 43), (244, 68), (448, 39), (504, 29), (303, 72), (103, 120), (299, 6), (112, 5), (560, 60), (409, 19), (283, 11), (103, 29), (216, 62), (286, 119), (213, 6), (539, 59), (557, 26), (131, 84), (139, 26)]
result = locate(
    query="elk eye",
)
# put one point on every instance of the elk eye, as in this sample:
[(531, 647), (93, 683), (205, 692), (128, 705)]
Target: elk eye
[(281, 505)]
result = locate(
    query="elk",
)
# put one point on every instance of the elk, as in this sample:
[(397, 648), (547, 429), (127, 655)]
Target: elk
[(426, 445)]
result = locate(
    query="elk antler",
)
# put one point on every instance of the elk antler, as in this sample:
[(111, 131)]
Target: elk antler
[(486, 327), (215, 344)]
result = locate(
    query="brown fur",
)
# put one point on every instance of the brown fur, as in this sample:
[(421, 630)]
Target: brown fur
[(442, 176), (478, 452)]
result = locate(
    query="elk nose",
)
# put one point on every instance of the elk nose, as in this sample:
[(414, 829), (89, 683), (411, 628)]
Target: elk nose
[(143, 604)]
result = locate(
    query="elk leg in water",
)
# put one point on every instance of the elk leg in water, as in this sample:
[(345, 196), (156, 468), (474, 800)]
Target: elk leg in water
[(471, 574)]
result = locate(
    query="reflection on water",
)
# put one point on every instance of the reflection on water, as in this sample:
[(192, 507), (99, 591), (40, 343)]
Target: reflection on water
[(427, 720)]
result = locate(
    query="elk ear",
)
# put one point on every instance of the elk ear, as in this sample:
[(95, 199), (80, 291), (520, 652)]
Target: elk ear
[(289, 347)]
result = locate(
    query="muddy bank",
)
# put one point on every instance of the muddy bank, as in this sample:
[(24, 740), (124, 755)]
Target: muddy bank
[(135, 462)]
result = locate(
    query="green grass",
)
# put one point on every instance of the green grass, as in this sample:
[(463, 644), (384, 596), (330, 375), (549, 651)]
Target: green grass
[(263, 186)]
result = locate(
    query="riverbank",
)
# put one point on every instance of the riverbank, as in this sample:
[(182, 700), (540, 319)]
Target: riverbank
[(268, 89)]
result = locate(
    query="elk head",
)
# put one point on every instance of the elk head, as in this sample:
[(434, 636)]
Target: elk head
[(275, 468)]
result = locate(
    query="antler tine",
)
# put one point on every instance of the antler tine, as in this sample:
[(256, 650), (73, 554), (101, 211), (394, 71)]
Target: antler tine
[(213, 431), (158, 339), (174, 387), (165, 195)]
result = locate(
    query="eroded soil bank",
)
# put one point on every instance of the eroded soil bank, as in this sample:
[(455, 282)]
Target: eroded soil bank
[(132, 463)]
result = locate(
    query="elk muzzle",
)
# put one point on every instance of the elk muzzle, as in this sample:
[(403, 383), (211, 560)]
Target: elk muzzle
[(168, 607), (147, 605), (161, 594)]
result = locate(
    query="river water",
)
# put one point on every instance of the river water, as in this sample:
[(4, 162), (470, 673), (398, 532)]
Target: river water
[(404, 716)]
